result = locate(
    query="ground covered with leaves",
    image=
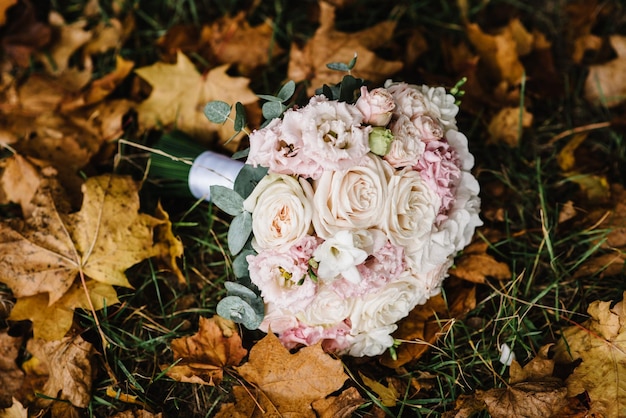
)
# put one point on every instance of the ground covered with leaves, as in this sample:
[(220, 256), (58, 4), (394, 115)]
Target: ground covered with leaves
[(109, 281)]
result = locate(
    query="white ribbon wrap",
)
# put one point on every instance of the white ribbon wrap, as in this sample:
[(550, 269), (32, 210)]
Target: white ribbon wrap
[(210, 168)]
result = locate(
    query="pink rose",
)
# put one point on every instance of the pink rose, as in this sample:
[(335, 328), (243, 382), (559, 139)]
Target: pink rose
[(429, 129), (406, 148), (377, 106)]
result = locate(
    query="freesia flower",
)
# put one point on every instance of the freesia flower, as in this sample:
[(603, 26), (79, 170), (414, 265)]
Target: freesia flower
[(339, 256)]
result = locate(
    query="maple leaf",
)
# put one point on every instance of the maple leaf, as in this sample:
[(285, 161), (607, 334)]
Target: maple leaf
[(216, 345), (600, 342), (606, 83), (68, 364), (329, 45), (11, 376), (285, 384), (425, 323), (475, 265), (507, 125), (179, 93), (341, 406), (102, 240)]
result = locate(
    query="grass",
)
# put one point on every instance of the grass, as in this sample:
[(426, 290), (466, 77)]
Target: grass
[(525, 312)]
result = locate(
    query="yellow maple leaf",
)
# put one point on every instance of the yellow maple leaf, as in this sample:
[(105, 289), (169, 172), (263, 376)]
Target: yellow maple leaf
[(179, 93), (43, 256), (600, 342)]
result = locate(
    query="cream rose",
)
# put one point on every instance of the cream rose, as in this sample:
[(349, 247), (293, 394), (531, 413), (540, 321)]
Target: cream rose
[(281, 211), (372, 343), (327, 309), (411, 210), (406, 147), (352, 199)]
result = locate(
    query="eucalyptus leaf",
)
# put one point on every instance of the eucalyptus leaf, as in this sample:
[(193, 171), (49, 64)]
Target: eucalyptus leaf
[(240, 311), (235, 289), (352, 62), (272, 110), (227, 199), (248, 178), (217, 111), (240, 264), (270, 98), (241, 154), (239, 232), (287, 91), (338, 66), (240, 117)]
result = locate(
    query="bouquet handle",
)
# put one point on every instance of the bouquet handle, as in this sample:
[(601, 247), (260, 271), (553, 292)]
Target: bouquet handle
[(209, 169)]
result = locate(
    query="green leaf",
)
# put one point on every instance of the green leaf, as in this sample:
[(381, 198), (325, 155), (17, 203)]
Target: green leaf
[(270, 98), (287, 91), (217, 111), (240, 311), (240, 117), (248, 178), (352, 62), (240, 264), (338, 66), (273, 110), (349, 87), (235, 289), (227, 199), (239, 231), (241, 154)]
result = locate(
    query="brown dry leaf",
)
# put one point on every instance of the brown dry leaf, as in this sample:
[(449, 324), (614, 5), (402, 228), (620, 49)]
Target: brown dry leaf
[(53, 321), (105, 36), (15, 411), (424, 324), (329, 45), (69, 366), (68, 39), (170, 247), (600, 342), (204, 355), (23, 33), (475, 265), (233, 40), (4, 6), (140, 413), (507, 125), (566, 158), (285, 384), (341, 406), (106, 237), (606, 83), (11, 376), (179, 93)]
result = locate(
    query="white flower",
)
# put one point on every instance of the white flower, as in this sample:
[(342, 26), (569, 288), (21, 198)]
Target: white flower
[(441, 105), (338, 255), (351, 199), (411, 210), (331, 132), (463, 217), (281, 211), (372, 343), (327, 309), (386, 306)]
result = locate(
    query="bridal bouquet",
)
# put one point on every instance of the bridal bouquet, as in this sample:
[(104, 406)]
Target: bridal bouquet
[(347, 214)]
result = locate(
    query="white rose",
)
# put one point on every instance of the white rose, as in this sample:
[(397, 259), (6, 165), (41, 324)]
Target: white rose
[(441, 105), (411, 210), (428, 284), (281, 211), (386, 306), (327, 309), (372, 343), (463, 217), (338, 255), (351, 199)]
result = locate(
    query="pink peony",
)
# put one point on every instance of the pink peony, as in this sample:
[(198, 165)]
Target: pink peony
[(376, 106)]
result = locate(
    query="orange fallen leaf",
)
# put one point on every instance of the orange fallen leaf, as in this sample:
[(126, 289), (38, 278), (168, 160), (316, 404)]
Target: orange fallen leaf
[(24, 34), (388, 395), (284, 384), (330, 45), (68, 39), (600, 342), (341, 406), (508, 124), (204, 355), (179, 93), (606, 83)]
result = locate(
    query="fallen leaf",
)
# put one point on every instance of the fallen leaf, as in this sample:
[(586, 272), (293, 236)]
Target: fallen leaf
[(285, 384), (204, 356), (388, 395), (170, 247), (23, 33), (565, 158), (341, 406), (15, 411), (475, 265), (69, 367), (426, 323), (233, 41), (330, 45), (508, 124), (4, 6), (600, 342), (179, 93), (140, 413), (51, 321), (11, 376), (606, 83), (68, 39)]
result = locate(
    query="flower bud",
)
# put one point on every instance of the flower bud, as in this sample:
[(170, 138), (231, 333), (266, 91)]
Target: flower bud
[(380, 140), (376, 106)]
